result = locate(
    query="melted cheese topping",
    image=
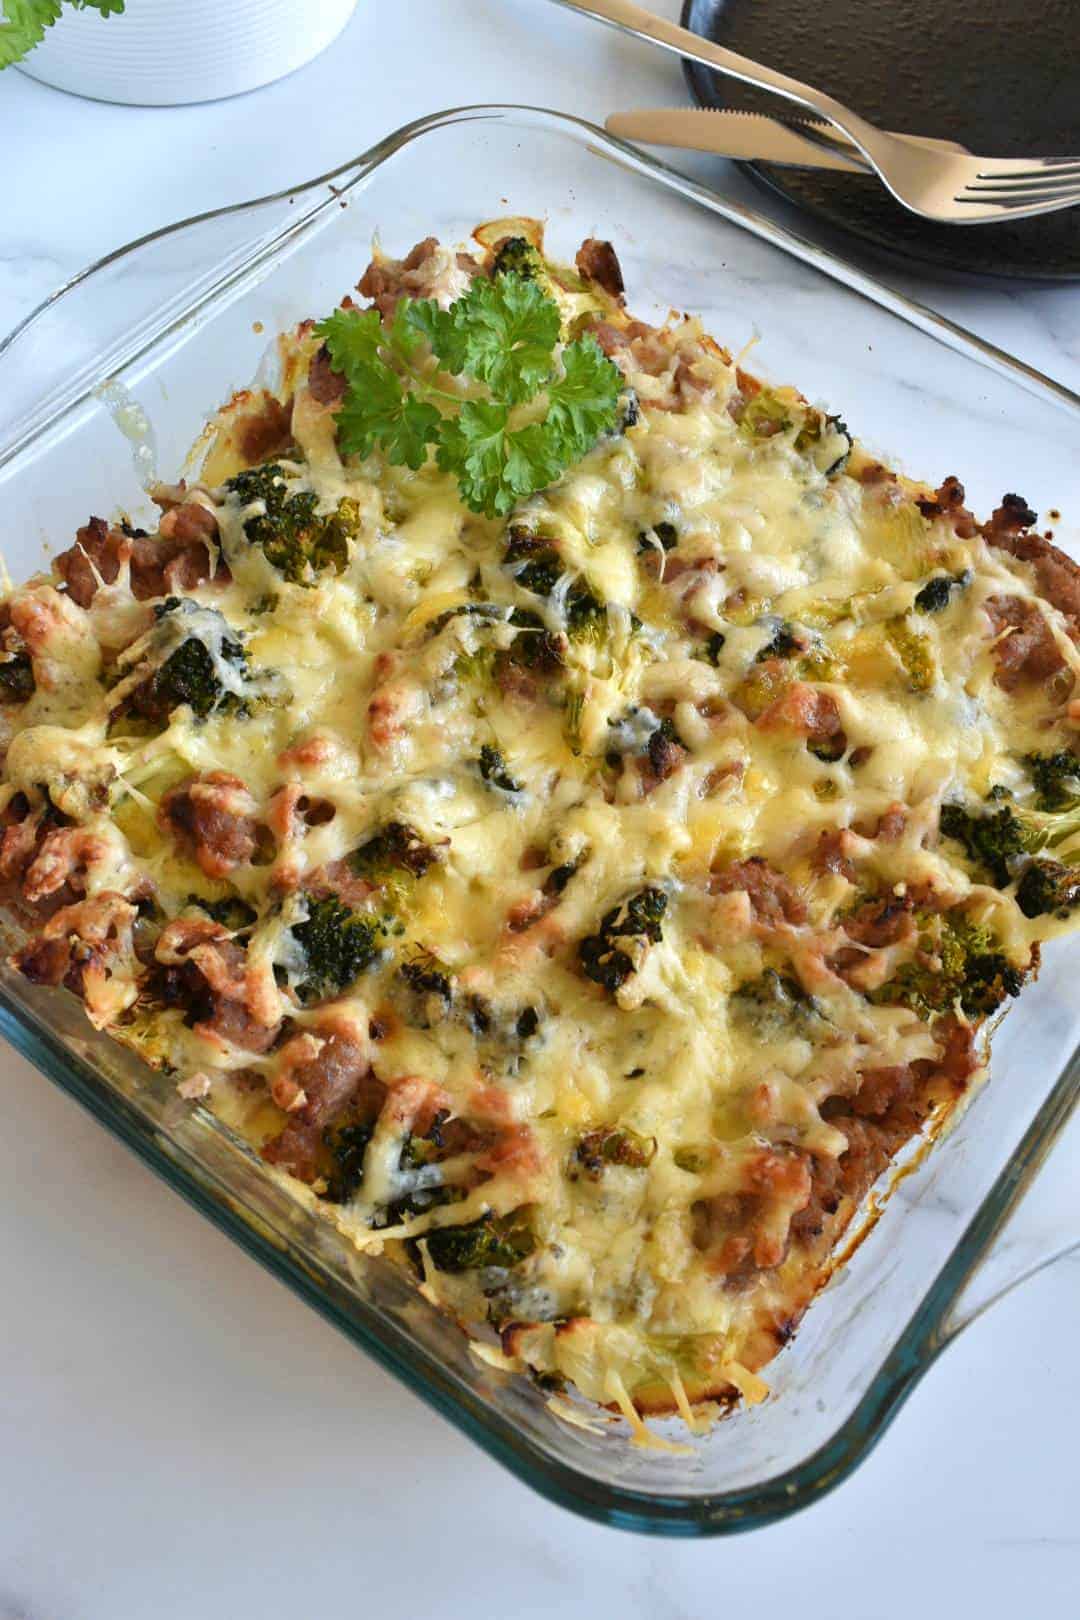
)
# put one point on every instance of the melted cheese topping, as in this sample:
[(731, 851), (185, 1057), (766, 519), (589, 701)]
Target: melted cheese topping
[(689, 670)]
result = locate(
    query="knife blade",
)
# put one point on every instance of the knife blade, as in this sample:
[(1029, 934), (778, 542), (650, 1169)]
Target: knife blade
[(752, 136), (740, 135)]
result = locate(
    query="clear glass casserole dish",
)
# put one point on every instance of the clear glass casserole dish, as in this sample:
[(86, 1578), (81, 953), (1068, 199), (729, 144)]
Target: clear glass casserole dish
[(118, 371)]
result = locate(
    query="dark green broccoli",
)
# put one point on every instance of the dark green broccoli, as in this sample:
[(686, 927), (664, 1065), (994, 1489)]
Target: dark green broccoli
[(517, 257), (338, 946), (494, 771), (506, 1028), (538, 567), (956, 962), (784, 643), (231, 912), (538, 648), (560, 876), (200, 661), (346, 1145), (1048, 888), (16, 678), (995, 840), (429, 995), (637, 919), (294, 537), (935, 595), (774, 1003), (915, 653), (423, 974), (416, 1164), (586, 615), (1056, 778), (629, 410), (612, 1145), (397, 848), (472, 610), (494, 1240)]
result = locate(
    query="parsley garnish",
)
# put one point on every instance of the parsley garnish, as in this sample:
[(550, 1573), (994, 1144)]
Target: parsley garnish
[(23, 22), (502, 334)]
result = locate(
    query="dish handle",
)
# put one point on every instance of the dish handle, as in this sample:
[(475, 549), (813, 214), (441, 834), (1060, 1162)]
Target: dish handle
[(1035, 1225), (108, 316)]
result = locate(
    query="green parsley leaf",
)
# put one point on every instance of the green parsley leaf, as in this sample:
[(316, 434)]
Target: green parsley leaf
[(503, 335), (446, 339), (583, 401), (381, 413), (353, 337), (23, 22), (474, 448), (509, 328)]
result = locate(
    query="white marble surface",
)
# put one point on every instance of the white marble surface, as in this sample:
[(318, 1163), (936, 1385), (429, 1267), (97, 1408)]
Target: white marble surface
[(180, 1437)]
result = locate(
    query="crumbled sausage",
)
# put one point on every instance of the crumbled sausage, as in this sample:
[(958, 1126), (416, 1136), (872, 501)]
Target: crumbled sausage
[(213, 817), (773, 897), (598, 261)]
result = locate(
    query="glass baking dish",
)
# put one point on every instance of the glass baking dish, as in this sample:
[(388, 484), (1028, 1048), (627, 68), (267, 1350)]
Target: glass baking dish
[(116, 373)]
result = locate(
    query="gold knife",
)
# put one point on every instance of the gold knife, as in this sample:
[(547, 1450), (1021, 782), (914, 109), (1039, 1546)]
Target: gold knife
[(744, 136)]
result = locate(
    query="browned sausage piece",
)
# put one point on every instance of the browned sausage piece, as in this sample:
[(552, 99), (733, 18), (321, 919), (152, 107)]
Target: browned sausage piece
[(597, 261)]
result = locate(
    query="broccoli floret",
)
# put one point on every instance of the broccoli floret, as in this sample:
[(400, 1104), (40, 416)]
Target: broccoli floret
[(539, 648), (423, 975), (16, 678), (638, 919), (195, 658), (586, 616), (774, 1003), (629, 411), (995, 840), (297, 540), (397, 848), (541, 564), (426, 994), (494, 1240), (517, 257), (1056, 778), (538, 567), (715, 646), (231, 912), (784, 643), (915, 653), (612, 1145), (991, 839), (346, 1145), (764, 416), (493, 769), (1048, 889), (559, 876), (956, 962), (338, 946), (935, 595), (827, 440)]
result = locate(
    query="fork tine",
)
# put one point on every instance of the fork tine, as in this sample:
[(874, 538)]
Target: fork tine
[(1022, 188), (1017, 193), (1027, 168), (1038, 202)]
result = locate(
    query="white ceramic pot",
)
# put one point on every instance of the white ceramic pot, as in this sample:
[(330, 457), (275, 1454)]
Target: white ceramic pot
[(162, 53)]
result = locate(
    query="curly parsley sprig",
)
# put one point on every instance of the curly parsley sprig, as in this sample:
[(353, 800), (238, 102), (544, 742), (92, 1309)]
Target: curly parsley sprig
[(23, 22), (526, 416)]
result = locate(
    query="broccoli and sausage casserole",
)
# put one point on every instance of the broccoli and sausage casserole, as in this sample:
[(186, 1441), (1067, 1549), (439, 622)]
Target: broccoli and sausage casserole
[(567, 805)]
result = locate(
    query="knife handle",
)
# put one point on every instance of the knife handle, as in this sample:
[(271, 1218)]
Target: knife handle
[(632, 19)]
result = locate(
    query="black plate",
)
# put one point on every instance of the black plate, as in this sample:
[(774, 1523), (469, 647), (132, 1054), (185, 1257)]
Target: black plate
[(1001, 76)]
